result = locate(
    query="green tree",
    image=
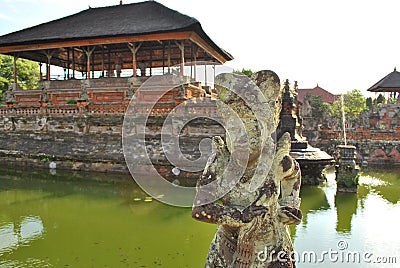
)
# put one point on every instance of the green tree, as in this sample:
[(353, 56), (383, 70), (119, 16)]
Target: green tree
[(320, 110), (354, 105), (244, 71), (369, 103), (392, 100), (27, 73)]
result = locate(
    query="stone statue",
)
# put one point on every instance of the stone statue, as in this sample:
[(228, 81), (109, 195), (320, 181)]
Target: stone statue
[(84, 91), (10, 96), (181, 91), (253, 216), (43, 97), (131, 89)]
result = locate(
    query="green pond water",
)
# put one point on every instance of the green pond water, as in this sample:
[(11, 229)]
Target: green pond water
[(79, 220)]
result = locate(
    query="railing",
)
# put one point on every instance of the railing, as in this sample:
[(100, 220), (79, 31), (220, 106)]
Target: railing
[(107, 96), (106, 108), (62, 110), (4, 111), (27, 111)]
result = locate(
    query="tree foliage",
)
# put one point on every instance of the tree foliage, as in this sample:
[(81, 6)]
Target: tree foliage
[(319, 109), (369, 103), (244, 71), (354, 105), (27, 73)]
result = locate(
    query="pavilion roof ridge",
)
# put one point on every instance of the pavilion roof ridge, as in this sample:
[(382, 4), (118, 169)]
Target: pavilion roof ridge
[(387, 83), (127, 23), (115, 34)]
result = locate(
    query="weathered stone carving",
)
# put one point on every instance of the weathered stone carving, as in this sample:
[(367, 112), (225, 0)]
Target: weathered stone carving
[(44, 99), (347, 172), (9, 124), (253, 217), (42, 123), (132, 88), (10, 96), (84, 91)]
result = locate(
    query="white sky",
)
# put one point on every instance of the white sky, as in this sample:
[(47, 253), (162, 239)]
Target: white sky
[(341, 45)]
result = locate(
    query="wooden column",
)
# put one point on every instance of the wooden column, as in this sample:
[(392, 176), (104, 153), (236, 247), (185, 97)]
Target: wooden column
[(205, 73), (169, 57), (214, 75), (15, 71), (109, 62), (40, 71), (102, 61), (93, 64), (151, 61), (181, 47), (73, 63), (68, 63), (134, 49), (88, 52), (195, 50), (191, 62), (163, 58), (49, 55)]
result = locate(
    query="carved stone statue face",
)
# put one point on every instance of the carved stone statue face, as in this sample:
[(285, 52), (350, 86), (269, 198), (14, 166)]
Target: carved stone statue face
[(257, 105)]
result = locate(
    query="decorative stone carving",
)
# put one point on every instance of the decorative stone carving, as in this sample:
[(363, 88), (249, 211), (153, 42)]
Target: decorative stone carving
[(288, 119), (84, 97), (10, 96), (253, 216), (42, 123), (181, 91), (9, 124), (43, 97), (131, 89), (346, 171)]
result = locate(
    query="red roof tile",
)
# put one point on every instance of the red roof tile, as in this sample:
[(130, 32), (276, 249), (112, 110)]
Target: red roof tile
[(325, 95)]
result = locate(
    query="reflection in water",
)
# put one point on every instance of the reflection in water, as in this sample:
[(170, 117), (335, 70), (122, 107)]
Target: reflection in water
[(8, 237), (346, 207), (386, 185), (15, 235), (82, 221), (367, 221), (313, 200), (31, 229)]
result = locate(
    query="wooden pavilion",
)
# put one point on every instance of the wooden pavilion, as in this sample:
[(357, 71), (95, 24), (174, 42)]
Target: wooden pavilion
[(107, 39), (388, 84)]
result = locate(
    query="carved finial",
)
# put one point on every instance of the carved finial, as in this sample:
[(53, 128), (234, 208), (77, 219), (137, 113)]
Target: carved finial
[(296, 90), (286, 87), (120, 2), (394, 68)]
